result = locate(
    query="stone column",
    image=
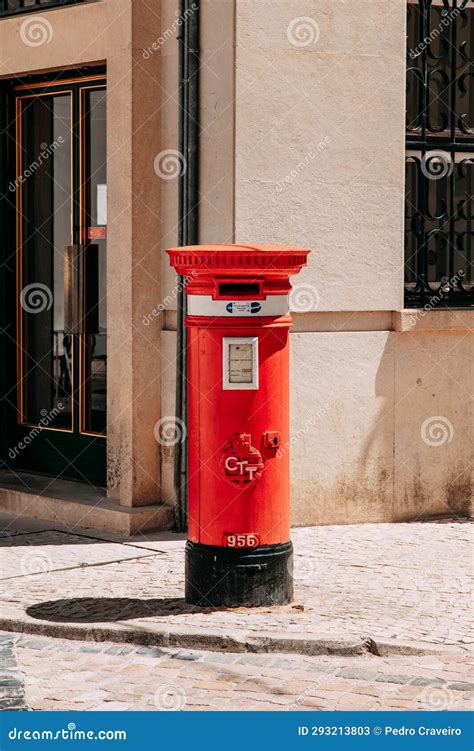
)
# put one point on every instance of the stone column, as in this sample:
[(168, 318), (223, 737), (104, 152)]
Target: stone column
[(134, 255)]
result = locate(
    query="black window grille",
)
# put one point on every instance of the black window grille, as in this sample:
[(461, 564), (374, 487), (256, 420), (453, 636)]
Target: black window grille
[(12, 7), (439, 220)]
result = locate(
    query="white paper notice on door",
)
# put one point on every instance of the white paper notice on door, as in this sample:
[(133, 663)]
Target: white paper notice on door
[(102, 205)]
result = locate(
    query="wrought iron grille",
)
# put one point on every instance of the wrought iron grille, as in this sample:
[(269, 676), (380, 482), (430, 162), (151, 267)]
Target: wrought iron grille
[(439, 220), (11, 7)]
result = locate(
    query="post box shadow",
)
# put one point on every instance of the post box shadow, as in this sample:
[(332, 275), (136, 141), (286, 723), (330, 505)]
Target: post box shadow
[(110, 609)]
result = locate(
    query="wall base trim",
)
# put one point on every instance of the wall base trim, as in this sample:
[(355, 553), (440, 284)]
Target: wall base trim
[(422, 320)]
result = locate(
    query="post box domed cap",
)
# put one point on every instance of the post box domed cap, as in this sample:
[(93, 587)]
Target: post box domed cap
[(230, 257)]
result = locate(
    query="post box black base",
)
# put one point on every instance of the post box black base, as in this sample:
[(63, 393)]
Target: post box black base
[(228, 577)]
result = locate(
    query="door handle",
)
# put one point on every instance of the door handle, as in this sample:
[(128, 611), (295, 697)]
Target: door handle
[(72, 288), (90, 290), (81, 289)]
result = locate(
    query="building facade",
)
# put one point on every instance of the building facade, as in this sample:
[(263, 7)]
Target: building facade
[(130, 127)]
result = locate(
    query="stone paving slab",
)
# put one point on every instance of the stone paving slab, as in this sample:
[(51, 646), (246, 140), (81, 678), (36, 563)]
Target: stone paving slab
[(57, 674), (405, 587), (51, 550)]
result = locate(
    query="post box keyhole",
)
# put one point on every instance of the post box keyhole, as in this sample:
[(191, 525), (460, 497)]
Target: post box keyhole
[(272, 439)]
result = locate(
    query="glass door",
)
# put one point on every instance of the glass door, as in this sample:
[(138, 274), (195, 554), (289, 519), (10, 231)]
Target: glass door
[(61, 230)]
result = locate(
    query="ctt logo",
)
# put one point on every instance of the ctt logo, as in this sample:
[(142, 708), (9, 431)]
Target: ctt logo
[(244, 306), (241, 463)]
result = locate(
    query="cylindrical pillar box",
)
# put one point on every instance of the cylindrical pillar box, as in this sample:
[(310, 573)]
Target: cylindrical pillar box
[(239, 550)]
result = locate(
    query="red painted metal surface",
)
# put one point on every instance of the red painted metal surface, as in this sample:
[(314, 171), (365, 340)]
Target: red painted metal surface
[(238, 439)]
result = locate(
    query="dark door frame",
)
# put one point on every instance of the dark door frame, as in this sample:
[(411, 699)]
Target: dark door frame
[(37, 455)]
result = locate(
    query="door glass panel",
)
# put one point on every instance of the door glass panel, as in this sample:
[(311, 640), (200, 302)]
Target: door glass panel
[(95, 221), (44, 206)]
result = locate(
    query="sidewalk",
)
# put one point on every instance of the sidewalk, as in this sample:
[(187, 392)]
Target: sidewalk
[(381, 588)]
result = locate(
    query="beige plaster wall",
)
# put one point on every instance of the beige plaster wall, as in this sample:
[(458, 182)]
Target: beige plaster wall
[(217, 179), (382, 426), (61, 48), (320, 140), (434, 424), (342, 427)]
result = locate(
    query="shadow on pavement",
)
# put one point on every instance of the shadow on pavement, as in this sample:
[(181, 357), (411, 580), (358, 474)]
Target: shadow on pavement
[(110, 609)]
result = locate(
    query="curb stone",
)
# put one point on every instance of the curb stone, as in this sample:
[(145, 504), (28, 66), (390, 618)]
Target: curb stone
[(154, 635)]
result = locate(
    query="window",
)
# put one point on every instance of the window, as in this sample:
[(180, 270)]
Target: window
[(10, 7), (439, 220)]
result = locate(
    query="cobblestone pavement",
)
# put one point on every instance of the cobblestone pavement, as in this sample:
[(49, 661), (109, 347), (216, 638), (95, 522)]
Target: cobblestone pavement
[(408, 582), (12, 695), (69, 675)]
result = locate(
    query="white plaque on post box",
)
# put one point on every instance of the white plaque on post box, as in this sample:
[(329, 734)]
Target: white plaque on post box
[(240, 362)]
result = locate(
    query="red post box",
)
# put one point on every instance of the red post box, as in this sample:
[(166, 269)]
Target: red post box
[(239, 550)]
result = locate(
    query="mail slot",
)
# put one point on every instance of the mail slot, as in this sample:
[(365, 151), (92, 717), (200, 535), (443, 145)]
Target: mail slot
[(233, 290)]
